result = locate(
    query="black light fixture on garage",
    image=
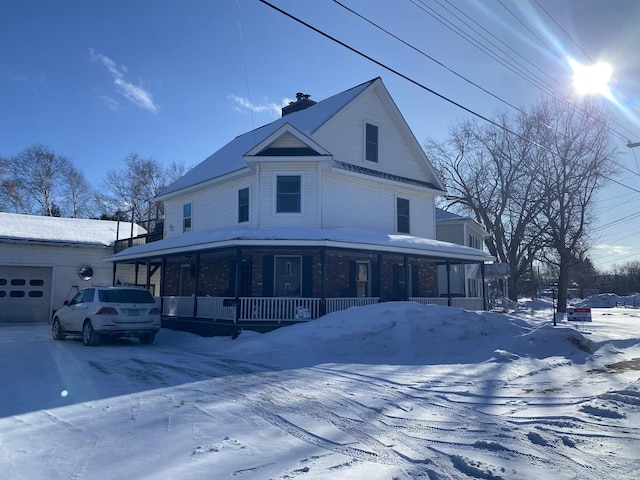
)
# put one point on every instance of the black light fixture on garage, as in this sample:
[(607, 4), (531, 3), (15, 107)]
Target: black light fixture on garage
[(85, 272)]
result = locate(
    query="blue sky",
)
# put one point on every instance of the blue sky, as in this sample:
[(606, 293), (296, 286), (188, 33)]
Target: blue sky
[(97, 80)]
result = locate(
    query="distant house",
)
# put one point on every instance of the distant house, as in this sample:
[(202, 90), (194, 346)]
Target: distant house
[(41, 258), (462, 280), (328, 207)]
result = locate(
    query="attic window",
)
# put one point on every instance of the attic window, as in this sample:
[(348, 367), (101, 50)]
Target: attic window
[(371, 143)]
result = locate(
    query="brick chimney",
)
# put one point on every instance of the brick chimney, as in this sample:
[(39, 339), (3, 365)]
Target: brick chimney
[(303, 101)]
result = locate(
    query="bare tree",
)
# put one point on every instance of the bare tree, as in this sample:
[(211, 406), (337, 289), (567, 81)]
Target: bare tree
[(487, 172), (36, 175), (531, 183), (7, 187), (134, 187), (576, 161), (79, 197)]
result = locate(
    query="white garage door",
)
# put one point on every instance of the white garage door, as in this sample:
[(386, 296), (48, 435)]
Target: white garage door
[(25, 294)]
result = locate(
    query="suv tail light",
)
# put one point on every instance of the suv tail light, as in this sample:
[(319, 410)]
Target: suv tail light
[(154, 311), (107, 311)]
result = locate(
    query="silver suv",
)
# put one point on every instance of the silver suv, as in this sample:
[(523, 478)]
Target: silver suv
[(108, 311)]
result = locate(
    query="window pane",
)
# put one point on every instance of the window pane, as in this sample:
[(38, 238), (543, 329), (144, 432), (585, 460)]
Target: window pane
[(371, 143), (125, 296), (288, 194), (186, 217), (243, 205), (403, 215)]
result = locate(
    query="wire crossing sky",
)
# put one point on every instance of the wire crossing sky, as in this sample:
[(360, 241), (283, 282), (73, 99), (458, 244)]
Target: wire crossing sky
[(96, 81)]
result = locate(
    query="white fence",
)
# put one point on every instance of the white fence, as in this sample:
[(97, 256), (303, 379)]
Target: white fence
[(468, 303), (284, 309), (277, 308), (337, 304)]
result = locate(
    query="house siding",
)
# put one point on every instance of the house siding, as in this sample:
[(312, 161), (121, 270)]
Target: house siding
[(344, 138), (347, 200), (214, 208), (310, 214)]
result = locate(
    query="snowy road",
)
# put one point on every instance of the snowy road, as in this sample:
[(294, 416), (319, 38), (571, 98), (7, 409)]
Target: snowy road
[(188, 408)]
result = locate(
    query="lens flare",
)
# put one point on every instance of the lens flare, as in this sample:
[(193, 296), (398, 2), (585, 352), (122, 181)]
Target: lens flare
[(592, 79)]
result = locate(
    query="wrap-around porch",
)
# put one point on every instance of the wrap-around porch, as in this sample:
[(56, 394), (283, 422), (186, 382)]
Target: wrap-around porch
[(252, 285)]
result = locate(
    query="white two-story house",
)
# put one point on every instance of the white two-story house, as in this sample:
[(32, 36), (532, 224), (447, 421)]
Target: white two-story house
[(328, 207)]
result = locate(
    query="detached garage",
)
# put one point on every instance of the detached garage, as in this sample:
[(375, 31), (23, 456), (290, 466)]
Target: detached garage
[(42, 259)]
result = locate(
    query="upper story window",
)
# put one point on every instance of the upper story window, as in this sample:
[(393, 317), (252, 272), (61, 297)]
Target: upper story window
[(186, 217), (289, 194), (243, 205), (474, 242), (402, 215), (371, 143)]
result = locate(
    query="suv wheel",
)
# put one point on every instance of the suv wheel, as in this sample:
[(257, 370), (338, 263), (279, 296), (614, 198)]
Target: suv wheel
[(148, 338), (56, 330), (89, 336)]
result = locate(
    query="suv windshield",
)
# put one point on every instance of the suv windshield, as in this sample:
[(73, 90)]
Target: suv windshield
[(125, 296)]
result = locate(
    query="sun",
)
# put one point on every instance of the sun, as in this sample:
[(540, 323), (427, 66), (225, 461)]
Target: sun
[(591, 79)]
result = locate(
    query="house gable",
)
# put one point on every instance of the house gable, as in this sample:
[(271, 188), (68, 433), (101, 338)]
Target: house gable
[(287, 141), (400, 156)]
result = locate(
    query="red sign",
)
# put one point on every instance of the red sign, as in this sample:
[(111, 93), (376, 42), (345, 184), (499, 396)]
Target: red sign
[(579, 314)]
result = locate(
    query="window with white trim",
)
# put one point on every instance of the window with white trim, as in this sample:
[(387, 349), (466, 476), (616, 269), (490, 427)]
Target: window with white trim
[(371, 143), (363, 283), (288, 194), (402, 216), (243, 205), (186, 217)]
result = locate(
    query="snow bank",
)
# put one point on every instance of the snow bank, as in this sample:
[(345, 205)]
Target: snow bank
[(404, 333), (608, 300)]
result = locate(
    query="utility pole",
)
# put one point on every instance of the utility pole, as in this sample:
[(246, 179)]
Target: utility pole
[(631, 144)]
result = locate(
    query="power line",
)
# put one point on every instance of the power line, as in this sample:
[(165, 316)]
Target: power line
[(421, 52), (396, 72), (424, 87)]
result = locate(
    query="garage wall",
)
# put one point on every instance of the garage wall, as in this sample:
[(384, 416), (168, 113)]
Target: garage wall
[(63, 263)]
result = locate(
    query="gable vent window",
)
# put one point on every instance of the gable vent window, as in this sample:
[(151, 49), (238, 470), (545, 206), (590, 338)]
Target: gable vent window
[(243, 205), (402, 210), (371, 147), (186, 217), (289, 193)]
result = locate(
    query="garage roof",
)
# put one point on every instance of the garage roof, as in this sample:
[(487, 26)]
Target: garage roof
[(69, 231)]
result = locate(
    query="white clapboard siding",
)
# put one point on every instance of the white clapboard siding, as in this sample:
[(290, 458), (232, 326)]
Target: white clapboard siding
[(310, 215), (214, 207), (343, 136), (362, 203)]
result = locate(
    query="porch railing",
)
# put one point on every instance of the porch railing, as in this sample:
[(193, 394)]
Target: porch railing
[(468, 303), (337, 304), (274, 308), (283, 308)]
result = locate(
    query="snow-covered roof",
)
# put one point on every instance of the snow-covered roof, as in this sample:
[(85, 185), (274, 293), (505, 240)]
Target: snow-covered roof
[(81, 231), (444, 216), (339, 237), (230, 158)]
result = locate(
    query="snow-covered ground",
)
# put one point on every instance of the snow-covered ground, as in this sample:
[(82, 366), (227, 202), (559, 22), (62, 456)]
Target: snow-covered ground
[(390, 391)]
